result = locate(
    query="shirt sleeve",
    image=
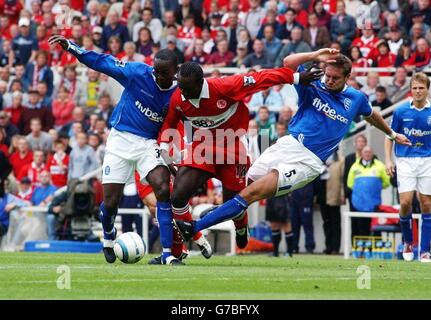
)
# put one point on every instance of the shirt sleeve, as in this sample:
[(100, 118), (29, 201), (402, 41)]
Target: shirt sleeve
[(119, 70), (395, 123), (365, 108), (240, 86)]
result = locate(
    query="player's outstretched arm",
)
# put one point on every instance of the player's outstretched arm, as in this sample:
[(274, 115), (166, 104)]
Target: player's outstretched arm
[(390, 169), (293, 61), (104, 63), (377, 120)]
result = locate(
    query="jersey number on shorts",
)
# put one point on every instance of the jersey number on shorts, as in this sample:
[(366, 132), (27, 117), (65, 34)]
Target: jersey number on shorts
[(158, 153)]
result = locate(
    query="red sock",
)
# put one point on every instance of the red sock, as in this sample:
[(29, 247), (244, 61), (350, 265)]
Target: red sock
[(184, 214), (241, 222), (177, 245)]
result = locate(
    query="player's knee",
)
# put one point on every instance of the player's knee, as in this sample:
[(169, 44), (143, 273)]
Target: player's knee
[(405, 205), (111, 201), (179, 199), (162, 192), (425, 204)]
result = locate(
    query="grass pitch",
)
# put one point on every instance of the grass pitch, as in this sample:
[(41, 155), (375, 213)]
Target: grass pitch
[(35, 276)]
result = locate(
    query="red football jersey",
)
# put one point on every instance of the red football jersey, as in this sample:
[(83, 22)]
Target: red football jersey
[(221, 106), (365, 45), (58, 173)]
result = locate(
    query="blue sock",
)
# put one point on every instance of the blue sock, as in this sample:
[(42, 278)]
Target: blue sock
[(164, 217), (426, 232), (108, 219), (406, 228), (228, 210)]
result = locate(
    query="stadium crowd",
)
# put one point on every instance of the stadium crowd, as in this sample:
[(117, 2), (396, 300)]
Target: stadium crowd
[(54, 113)]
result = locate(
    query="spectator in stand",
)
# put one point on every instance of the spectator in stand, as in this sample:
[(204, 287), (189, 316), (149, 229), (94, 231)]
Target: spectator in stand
[(88, 44), (44, 193), (114, 28), (391, 25), (33, 169), (266, 124), (25, 45), (73, 85), (270, 98), (285, 115), (168, 21), (254, 139), (77, 128), (19, 75), (245, 40), (7, 57), (232, 30), (381, 100), (215, 23), (115, 47), (286, 28), (395, 40), (301, 14), (404, 53), (172, 31), (195, 52), (130, 54), (45, 99), (105, 107), (253, 18), (96, 142), (16, 109), (259, 59), (421, 56), (57, 164), (222, 57), (8, 203), (9, 128), (153, 24), (400, 87), (358, 60), (189, 31), (269, 20), (38, 139), (317, 37), (82, 158), (96, 36), (62, 108), (343, 27), (187, 8), (34, 109), (78, 115), (418, 18), (367, 177), (367, 43), (296, 45), (323, 16), (94, 87), (416, 32), (4, 148), (145, 42), (271, 43), (383, 57), (22, 156), (368, 11), (25, 189), (5, 170), (172, 45), (373, 81), (241, 54)]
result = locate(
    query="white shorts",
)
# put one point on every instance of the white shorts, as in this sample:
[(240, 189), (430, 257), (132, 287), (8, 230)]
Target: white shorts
[(296, 165), (125, 153), (414, 174)]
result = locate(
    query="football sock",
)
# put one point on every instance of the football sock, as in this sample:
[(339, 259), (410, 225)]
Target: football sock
[(289, 242), (107, 217), (184, 214), (164, 217), (276, 238), (426, 232), (406, 228), (241, 222), (229, 210)]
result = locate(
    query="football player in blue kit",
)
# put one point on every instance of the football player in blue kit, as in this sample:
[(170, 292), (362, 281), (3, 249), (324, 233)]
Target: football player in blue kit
[(132, 142), (326, 108)]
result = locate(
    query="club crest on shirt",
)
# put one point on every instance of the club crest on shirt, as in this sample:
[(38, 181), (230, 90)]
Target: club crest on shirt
[(221, 104), (347, 103)]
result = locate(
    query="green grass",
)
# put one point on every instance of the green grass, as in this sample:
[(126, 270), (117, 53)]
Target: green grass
[(34, 276)]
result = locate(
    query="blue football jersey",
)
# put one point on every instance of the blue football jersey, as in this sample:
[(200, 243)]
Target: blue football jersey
[(143, 104), (415, 124), (324, 117)]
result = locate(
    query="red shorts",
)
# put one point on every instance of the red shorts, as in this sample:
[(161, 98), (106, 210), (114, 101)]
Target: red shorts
[(232, 176), (142, 188)]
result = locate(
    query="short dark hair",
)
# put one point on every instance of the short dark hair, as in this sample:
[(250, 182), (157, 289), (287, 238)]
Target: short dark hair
[(167, 55), (342, 62), (191, 69), (381, 89)]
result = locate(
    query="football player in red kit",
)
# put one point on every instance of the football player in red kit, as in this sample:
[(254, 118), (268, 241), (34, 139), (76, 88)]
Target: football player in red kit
[(216, 121)]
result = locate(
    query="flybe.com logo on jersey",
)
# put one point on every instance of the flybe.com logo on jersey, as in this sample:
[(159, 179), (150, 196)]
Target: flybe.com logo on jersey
[(416, 132), (152, 115), (328, 111)]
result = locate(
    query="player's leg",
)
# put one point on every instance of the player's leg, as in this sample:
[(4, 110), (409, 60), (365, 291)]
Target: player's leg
[(112, 193), (151, 202), (425, 201), (275, 237), (288, 237), (187, 181), (159, 179), (406, 199)]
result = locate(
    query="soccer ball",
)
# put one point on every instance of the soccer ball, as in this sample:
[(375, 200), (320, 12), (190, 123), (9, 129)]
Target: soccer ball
[(129, 247)]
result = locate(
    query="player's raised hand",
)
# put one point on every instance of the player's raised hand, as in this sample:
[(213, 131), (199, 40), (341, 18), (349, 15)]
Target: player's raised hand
[(310, 75), (390, 168), (327, 55), (402, 139), (59, 39)]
